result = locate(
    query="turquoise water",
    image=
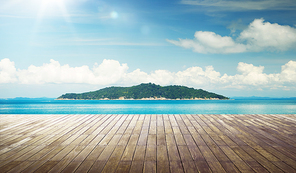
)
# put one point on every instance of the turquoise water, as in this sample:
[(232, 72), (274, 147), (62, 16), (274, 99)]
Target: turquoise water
[(51, 106)]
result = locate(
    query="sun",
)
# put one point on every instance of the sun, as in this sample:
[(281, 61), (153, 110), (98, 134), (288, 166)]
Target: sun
[(52, 2), (52, 8)]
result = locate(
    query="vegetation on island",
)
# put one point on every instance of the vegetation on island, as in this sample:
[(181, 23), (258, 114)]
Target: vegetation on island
[(144, 91)]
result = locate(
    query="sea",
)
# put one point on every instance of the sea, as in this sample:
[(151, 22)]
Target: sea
[(232, 106)]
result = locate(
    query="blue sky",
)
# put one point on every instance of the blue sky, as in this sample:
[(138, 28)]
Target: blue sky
[(234, 48)]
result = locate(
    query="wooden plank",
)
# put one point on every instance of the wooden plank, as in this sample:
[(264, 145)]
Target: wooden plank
[(149, 167), (262, 160), (170, 140), (176, 166), (182, 125), (94, 125), (95, 153), (131, 125), (130, 148), (173, 121), (160, 139), (239, 163), (34, 166), (46, 166), (18, 168), (30, 153), (150, 153), (260, 147), (215, 145), (173, 153), (179, 139), (97, 140), (103, 124), (124, 166), (167, 125), (84, 153), (138, 127), (151, 139), (106, 153), (84, 167), (152, 128), (163, 166), (61, 154), (6, 158), (97, 166), (136, 166), (187, 161), (128, 153), (114, 160), (139, 153), (124, 139), (68, 163), (159, 120), (162, 153), (147, 120), (42, 153), (214, 164), (9, 166), (235, 148)]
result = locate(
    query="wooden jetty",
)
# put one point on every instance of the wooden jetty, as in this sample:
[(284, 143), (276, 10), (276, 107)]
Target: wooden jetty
[(148, 143)]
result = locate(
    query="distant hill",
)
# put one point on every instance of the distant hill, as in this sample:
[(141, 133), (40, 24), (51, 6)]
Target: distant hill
[(263, 98), (27, 98), (144, 91)]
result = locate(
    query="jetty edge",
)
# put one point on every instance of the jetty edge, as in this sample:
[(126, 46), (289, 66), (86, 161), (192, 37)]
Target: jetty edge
[(145, 91)]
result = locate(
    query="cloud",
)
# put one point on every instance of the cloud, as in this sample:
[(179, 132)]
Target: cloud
[(250, 75), (209, 42), (259, 36), (7, 71), (288, 73), (108, 72), (110, 42), (262, 35), (236, 25), (232, 5), (111, 72)]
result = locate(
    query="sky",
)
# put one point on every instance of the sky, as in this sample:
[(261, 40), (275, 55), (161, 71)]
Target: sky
[(230, 47)]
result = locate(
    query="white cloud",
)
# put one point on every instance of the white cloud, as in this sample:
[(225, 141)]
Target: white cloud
[(108, 72), (111, 72), (262, 35), (288, 73), (259, 36), (209, 42), (54, 73), (7, 71), (250, 75)]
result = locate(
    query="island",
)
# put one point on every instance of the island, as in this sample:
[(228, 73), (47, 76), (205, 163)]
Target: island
[(145, 91)]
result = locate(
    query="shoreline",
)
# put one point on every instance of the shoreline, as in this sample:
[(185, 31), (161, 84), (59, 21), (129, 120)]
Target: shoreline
[(145, 99)]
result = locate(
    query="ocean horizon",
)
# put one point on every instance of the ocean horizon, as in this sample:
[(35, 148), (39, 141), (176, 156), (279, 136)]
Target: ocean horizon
[(232, 106)]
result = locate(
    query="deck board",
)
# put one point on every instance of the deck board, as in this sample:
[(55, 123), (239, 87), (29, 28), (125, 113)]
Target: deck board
[(148, 143)]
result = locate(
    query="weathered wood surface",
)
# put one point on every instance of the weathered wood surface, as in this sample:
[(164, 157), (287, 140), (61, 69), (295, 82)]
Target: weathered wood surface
[(148, 143)]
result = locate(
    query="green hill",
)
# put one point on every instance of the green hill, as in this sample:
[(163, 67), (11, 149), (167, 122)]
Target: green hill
[(144, 91)]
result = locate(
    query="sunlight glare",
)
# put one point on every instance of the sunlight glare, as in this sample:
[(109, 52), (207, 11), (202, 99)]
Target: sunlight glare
[(114, 15), (52, 8)]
